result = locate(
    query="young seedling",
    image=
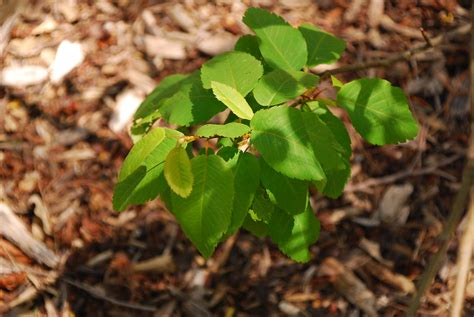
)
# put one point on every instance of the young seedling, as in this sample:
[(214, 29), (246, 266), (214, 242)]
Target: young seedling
[(277, 142)]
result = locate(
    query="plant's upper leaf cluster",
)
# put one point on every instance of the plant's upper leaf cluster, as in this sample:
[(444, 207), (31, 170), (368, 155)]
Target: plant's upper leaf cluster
[(276, 143)]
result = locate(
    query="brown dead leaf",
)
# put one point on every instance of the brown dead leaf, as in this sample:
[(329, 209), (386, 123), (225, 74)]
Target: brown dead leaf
[(12, 281)]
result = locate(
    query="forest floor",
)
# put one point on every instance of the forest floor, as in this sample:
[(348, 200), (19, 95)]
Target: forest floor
[(63, 138)]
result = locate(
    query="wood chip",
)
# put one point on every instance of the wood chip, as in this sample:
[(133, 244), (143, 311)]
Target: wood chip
[(392, 208), (23, 76), (164, 48), (394, 279), (68, 56), (162, 263), (217, 44), (14, 230), (349, 285)]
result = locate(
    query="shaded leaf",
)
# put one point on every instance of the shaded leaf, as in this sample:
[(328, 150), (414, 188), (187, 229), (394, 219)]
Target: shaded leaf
[(246, 180), (165, 89), (262, 206), (249, 44), (289, 194), (257, 227), (295, 234), (336, 178)]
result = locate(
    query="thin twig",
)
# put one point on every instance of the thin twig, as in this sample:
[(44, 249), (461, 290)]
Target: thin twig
[(464, 261), (467, 240), (400, 175), (458, 206), (444, 238), (406, 55), (99, 295)]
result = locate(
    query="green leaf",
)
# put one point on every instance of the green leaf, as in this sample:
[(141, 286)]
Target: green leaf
[(336, 82), (294, 234), (229, 154), (205, 215), (191, 104), (295, 143), (378, 111), (246, 180), (337, 127), (323, 48), (178, 172), (238, 70), (230, 130), (141, 177), (257, 227), (281, 45), (124, 190), (336, 179), (141, 151), (233, 100), (165, 89), (289, 194), (249, 44), (279, 86), (262, 206)]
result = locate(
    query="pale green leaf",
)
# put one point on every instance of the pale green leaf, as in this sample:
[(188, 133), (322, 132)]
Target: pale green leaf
[(336, 82), (178, 173), (230, 130), (279, 86), (295, 143), (238, 70), (378, 111), (205, 214), (289, 194), (141, 177), (246, 180), (165, 89), (294, 234), (191, 104), (233, 100), (323, 48), (281, 45)]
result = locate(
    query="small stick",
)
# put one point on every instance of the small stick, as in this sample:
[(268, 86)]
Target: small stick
[(464, 261), (99, 295), (425, 36), (435, 42), (14, 230), (458, 205)]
